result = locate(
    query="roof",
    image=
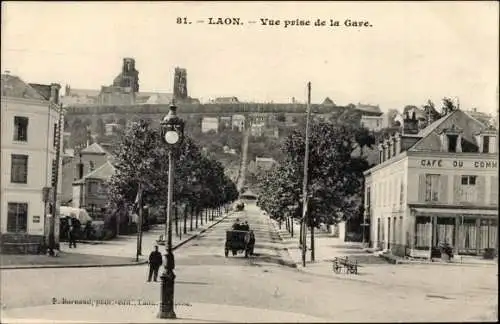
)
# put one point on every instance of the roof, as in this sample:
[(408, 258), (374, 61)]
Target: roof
[(84, 92), (479, 116), (104, 172), (94, 149), (458, 119), (369, 108), (43, 89), (226, 100), (419, 113), (160, 98), (328, 101), (13, 86)]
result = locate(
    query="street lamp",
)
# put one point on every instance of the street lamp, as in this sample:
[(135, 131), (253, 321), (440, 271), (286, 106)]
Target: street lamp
[(172, 133)]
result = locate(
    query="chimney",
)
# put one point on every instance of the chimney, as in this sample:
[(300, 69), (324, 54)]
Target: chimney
[(381, 153), (397, 142), (54, 92), (67, 91)]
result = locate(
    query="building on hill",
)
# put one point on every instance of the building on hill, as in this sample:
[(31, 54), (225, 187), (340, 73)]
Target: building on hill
[(373, 123), (75, 97), (29, 118), (225, 100), (209, 124), (85, 179), (328, 102), (83, 161), (264, 163), (91, 191), (435, 185), (238, 122), (369, 109)]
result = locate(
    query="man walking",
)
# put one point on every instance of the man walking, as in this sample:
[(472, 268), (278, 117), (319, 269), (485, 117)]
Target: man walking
[(155, 262)]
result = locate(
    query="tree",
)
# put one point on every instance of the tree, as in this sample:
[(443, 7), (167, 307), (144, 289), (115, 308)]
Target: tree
[(335, 175), (448, 106), (431, 112), (142, 157)]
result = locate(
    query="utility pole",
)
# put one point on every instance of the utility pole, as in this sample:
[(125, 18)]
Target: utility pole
[(139, 228), (304, 188)]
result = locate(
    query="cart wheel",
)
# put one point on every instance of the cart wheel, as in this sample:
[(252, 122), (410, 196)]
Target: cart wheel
[(226, 252)]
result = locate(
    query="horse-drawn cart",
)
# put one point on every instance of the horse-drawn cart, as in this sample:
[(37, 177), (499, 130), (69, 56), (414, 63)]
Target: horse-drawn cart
[(239, 241)]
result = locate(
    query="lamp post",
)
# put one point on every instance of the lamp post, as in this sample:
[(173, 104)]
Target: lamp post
[(172, 131)]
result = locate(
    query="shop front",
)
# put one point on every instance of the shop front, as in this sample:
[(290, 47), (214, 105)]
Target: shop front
[(468, 231)]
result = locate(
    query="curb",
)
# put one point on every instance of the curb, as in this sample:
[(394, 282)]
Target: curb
[(112, 265), (395, 260), (192, 237), (49, 266)]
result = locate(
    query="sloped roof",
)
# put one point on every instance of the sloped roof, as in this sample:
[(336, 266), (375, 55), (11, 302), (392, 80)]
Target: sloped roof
[(104, 172), (84, 92), (13, 86), (479, 116), (369, 108), (94, 149), (430, 135), (43, 89), (328, 101)]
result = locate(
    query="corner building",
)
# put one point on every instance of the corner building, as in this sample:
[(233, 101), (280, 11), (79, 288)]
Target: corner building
[(436, 185), (29, 118)]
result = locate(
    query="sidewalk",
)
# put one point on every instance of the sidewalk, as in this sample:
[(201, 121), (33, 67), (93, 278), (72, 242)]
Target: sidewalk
[(120, 251), (452, 278), (190, 313)]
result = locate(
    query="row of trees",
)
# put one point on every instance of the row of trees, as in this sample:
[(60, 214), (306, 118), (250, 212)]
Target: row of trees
[(335, 175), (142, 163)]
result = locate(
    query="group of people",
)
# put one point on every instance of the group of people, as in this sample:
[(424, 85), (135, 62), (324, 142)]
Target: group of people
[(237, 226)]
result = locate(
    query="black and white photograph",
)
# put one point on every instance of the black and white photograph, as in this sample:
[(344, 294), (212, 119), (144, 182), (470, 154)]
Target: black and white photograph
[(249, 161)]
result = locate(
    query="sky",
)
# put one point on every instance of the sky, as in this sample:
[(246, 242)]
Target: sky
[(410, 53)]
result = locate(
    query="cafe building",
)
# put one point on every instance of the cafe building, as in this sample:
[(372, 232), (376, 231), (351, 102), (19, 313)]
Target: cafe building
[(435, 185)]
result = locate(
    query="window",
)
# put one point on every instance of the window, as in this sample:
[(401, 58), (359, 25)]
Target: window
[(486, 144), (469, 180), (468, 188), (452, 143), (20, 129), (431, 187), (93, 187), (17, 218), (91, 166), (19, 169)]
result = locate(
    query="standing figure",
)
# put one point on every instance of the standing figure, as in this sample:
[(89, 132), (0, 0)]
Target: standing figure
[(155, 262), (72, 232)]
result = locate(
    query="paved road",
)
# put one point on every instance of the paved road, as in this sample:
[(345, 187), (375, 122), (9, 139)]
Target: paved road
[(266, 281)]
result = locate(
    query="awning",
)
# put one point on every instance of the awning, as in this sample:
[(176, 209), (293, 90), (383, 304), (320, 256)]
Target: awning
[(452, 212)]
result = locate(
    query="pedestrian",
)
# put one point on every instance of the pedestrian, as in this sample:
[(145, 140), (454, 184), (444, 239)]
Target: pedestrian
[(155, 262), (72, 233)]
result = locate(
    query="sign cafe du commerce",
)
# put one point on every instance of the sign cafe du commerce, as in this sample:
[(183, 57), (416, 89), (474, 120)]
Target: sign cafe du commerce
[(458, 164)]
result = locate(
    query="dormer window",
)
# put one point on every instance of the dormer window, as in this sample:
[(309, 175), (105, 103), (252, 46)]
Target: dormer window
[(487, 140), (486, 144), (452, 143), (451, 139)]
